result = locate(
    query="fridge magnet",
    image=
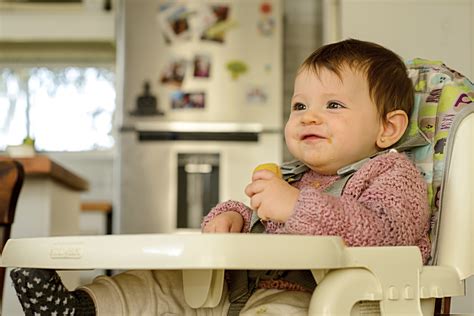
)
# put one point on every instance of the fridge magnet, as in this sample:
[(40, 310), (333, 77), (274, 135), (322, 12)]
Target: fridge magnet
[(266, 23), (146, 104), (256, 95), (202, 66), (236, 68), (265, 8), (266, 26), (202, 19), (216, 31), (174, 22), (173, 73), (188, 100)]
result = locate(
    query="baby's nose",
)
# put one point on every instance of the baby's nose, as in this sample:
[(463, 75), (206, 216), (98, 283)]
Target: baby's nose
[(312, 117)]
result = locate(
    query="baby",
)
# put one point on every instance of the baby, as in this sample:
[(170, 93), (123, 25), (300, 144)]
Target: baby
[(349, 109)]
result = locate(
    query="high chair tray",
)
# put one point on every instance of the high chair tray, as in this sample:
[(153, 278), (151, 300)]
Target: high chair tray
[(176, 251)]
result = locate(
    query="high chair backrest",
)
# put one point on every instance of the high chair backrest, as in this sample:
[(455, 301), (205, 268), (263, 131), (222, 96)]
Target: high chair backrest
[(443, 118), (456, 234)]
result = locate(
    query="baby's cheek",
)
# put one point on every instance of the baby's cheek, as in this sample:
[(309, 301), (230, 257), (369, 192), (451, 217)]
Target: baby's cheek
[(288, 140), (287, 131)]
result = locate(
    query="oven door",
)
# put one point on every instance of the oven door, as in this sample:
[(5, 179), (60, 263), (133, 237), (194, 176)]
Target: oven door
[(172, 175)]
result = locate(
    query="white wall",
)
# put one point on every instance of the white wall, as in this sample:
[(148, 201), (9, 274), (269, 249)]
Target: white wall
[(430, 29)]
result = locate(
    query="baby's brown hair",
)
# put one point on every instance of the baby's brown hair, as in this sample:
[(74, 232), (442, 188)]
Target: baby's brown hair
[(389, 85)]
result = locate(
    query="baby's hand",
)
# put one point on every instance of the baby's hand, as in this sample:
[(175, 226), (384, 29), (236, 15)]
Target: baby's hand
[(270, 196), (227, 222)]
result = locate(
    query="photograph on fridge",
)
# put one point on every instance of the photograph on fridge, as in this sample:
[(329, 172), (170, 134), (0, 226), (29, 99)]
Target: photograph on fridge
[(216, 32), (174, 21), (188, 100), (174, 72), (202, 66)]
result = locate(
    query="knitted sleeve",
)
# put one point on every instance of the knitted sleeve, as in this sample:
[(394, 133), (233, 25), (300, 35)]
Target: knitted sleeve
[(230, 205), (384, 203)]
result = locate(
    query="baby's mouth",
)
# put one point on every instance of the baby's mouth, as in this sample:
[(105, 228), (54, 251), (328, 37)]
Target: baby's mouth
[(311, 137)]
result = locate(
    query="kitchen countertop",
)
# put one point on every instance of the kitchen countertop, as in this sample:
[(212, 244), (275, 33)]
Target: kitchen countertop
[(43, 166)]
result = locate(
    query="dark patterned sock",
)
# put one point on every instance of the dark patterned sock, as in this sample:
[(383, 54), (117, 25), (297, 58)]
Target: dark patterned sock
[(41, 292)]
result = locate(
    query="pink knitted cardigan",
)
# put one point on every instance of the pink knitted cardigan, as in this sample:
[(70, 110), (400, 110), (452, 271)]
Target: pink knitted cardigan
[(383, 204)]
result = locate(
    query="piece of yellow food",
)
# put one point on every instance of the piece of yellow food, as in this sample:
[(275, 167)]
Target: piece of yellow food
[(273, 167)]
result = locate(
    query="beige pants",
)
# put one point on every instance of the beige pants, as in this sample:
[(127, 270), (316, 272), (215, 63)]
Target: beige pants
[(145, 292)]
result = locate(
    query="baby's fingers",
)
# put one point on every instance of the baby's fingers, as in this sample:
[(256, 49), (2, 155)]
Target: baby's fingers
[(217, 226), (262, 175), (223, 228), (254, 187), (228, 222), (235, 227), (209, 228), (255, 202)]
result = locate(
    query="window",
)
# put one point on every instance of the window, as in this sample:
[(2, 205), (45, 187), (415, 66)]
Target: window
[(63, 108)]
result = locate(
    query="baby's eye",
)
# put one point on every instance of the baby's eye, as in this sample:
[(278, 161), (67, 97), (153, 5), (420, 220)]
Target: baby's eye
[(298, 107), (334, 105)]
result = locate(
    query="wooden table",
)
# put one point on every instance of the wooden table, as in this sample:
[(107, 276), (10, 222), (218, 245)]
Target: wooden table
[(49, 205), (42, 166)]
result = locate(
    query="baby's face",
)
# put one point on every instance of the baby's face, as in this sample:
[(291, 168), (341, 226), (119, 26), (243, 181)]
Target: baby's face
[(333, 122)]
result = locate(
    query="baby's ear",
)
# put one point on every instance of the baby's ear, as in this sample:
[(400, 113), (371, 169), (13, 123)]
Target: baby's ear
[(392, 128)]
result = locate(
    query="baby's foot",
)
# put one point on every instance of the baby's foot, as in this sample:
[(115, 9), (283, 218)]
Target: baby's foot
[(41, 292)]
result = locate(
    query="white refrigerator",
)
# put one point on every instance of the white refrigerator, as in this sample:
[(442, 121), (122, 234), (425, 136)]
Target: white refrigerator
[(200, 105)]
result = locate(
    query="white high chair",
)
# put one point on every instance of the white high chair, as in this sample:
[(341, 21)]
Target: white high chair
[(349, 278)]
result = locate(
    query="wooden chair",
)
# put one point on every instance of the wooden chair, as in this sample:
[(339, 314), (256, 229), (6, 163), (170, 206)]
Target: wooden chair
[(11, 181)]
